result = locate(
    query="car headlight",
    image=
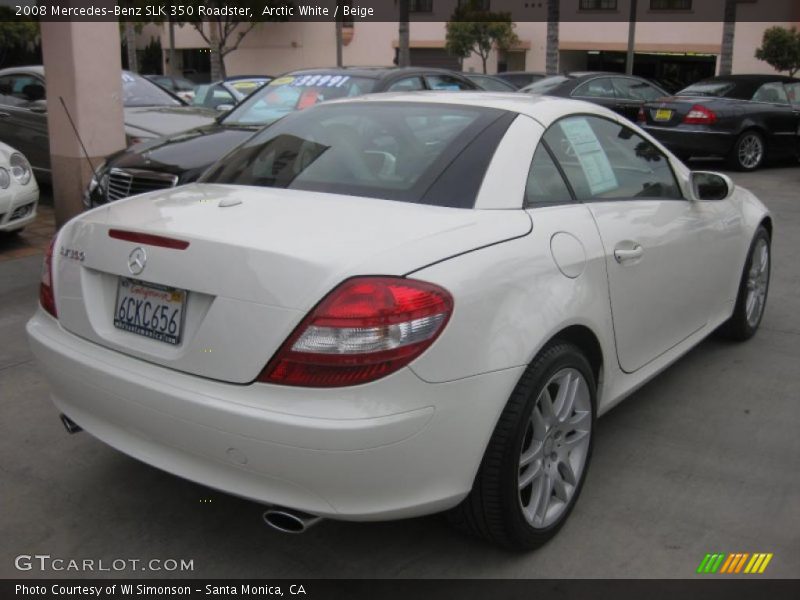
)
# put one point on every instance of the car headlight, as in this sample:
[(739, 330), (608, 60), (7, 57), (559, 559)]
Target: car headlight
[(5, 179), (20, 168)]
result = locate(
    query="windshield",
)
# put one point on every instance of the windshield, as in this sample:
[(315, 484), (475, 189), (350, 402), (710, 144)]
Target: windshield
[(382, 150), (138, 91), (289, 94), (708, 88), (545, 85)]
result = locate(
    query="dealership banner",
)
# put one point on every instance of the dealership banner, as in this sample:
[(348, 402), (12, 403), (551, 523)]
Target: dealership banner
[(405, 589), (364, 11)]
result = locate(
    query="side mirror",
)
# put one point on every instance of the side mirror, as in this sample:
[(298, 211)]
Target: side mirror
[(711, 186), (224, 107)]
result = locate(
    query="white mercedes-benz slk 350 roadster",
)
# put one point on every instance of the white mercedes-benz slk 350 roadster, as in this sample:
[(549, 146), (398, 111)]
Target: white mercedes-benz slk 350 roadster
[(398, 305)]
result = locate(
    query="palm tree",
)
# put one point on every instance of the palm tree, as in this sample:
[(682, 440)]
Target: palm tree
[(551, 54), (403, 51), (728, 29)]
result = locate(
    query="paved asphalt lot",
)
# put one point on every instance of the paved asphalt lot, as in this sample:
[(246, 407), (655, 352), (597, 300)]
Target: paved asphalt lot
[(706, 458)]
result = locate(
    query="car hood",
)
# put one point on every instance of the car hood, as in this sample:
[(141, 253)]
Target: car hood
[(186, 153), (165, 120)]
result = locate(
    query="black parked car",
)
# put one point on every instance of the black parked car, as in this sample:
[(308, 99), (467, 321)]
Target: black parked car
[(624, 94), (520, 79), (745, 118), (149, 112), (181, 158), (490, 83)]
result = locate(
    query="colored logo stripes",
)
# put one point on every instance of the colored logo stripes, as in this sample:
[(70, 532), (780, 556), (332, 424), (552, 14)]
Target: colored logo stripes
[(740, 562)]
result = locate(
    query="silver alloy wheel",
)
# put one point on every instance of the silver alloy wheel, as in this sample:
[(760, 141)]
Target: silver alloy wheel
[(757, 282), (555, 448), (751, 150)]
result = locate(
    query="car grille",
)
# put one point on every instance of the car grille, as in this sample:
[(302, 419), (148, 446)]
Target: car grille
[(128, 182)]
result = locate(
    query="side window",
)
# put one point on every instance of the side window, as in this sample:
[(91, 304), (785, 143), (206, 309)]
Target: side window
[(632, 89), (771, 92), (595, 88), (545, 184), (605, 160), (409, 84), (793, 93), (20, 90), (446, 82)]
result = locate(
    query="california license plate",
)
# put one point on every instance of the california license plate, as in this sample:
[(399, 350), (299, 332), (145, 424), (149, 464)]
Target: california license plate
[(663, 114), (154, 311)]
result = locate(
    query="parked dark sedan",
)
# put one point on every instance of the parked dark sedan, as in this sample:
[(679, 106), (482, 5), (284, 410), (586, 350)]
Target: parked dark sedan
[(182, 158), (745, 118), (150, 112), (624, 94), (520, 79), (490, 83)]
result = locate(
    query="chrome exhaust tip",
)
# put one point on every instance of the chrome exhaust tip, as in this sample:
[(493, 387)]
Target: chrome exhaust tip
[(70, 425), (287, 520)]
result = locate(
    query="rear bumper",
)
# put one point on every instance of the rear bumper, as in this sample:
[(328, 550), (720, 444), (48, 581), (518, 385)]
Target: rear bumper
[(401, 447), (692, 140)]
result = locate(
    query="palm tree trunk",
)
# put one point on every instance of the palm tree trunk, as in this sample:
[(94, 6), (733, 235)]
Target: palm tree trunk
[(404, 52), (339, 42), (551, 54), (631, 38), (130, 45), (728, 29)]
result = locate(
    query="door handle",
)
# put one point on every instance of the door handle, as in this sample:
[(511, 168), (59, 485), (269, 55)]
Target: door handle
[(627, 254), (4, 115)]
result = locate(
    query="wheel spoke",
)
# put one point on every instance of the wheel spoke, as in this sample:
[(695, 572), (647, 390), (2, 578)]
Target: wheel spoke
[(532, 453), (545, 404), (575, 439), (527, 477), (543, 500), (560, 490), (581, 420), (566, 472), (567, 393)]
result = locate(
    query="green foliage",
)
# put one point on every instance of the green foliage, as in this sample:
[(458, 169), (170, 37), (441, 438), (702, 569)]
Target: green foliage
[(780, 48), (471, 29), (16, 32)]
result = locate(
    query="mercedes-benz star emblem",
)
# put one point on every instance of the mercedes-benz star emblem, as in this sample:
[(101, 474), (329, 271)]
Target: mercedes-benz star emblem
[(137, 260)]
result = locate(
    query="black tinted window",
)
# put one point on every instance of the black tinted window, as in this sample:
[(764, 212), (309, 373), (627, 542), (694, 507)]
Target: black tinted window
[(381, 150), (605, 160)]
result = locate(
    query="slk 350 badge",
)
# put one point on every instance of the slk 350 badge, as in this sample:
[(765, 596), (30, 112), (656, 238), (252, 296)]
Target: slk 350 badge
[(73, 254)]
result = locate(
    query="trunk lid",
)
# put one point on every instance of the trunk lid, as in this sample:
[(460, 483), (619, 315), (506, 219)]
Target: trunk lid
[(253, 269)]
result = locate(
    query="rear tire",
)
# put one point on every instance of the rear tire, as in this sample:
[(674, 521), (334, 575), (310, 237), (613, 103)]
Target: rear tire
[(536, 461), (753, 288), (748, 152)]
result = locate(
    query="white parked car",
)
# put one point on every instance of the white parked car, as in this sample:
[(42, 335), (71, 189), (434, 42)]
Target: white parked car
[(19, 193), (398, 305)]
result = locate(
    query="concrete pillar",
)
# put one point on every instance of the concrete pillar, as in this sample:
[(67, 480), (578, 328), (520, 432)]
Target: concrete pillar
[(82, 66)]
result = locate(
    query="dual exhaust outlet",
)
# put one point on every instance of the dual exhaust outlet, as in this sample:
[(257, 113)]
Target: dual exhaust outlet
[(285, 520)]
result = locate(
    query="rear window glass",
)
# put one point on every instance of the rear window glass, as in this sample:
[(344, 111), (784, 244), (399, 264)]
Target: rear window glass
[(288, 94), (138, 91), (708, 88), (545, 85), (383, 150)]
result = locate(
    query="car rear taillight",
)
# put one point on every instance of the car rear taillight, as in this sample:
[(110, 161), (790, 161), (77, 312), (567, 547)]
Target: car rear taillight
[(700, 115), (365, 329), (640, 116), (46, 297)]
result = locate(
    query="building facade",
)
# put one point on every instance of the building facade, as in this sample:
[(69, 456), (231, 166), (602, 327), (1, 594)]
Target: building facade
[(673, 42)]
